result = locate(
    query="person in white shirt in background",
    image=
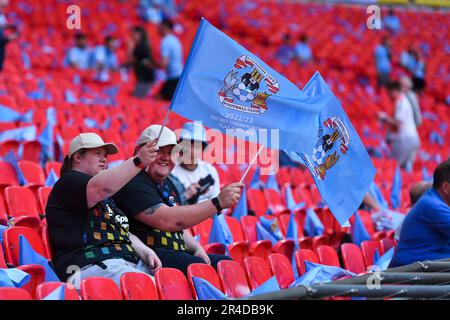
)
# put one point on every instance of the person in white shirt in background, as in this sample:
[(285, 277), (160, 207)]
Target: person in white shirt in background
[(191, 168), (403, 135)]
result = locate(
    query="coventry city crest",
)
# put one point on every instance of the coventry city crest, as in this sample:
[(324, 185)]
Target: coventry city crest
[(247, 87), (333, 140)]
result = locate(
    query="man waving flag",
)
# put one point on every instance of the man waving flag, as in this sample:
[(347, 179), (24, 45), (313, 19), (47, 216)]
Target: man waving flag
[(227, 87)]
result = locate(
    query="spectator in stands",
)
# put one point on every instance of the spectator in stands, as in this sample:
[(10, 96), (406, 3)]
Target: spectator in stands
[(403, 135), (425, 233), (383, 61), (4, 39), (192, 170), (392, 22), (86, 228), (286, 51), (418, 71), (151, 201), (303, 51), (172, 58), (105, 59), (407, 86), (79, 56), (417, 190), (141, 57), (156, 11)]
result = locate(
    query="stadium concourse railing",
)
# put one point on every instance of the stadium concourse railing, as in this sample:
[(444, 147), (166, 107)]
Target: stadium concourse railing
[(420, 280)]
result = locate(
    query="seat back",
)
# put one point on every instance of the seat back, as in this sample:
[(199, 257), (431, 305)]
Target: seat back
[(203, 229), (249, 227), (303, 255), (352, 258), (37, 277), (8, 176), (44, 289), (204, 271), (233, 279), (368, 251), (45, 237), (257, 271), (172, 285), (385, 245), (282, 269), (21, 202), (256, 201), (98, 288), (14, 294), (2, 258), (32, 172), (31, 151), (43, 193), (12, 244), (138, 286), (56, 166), (235, 229), (328, 256), (9, 145)]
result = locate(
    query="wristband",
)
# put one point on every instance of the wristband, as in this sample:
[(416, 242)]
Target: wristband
[(138, 162), (216, 203)]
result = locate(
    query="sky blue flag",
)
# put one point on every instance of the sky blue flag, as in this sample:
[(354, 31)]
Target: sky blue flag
[(256, 182), (51, 179), (425, 175), (376, 193), (241, 208), (313, 226), (57, 294), (292, 233), (2, 230), (396, 191), (272, 183), (359, 231), (384, 261), (319, 273), (70, 97), (46, 137), (13, 278), (11, 158), (339, 162), (220, 232), (10, 115), (270, 285), (20, 134), (206, 291), (29, 256), (233, 89), (263, 234), (271, 225)]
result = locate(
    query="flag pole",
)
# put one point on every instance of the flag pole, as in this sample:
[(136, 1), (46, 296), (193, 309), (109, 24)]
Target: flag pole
[(251, 164), (164, 124)]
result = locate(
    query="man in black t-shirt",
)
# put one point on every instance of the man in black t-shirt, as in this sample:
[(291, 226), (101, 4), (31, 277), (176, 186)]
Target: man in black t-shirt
[(89, 235), (151, 201)]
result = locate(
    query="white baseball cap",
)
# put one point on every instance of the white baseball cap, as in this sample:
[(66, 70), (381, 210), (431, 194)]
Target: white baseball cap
[(90, 140), (167, 138)]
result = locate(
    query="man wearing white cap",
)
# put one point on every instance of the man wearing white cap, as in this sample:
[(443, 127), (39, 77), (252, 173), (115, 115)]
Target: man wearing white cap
[(151, 201), (87, 231), (192, 171)]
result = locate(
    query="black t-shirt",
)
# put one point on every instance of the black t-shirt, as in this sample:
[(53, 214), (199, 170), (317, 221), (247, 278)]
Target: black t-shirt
[(82, 236), (143, 72), (142, 193)]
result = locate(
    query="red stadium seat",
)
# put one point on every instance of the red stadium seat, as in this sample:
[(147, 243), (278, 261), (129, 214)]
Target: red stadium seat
[(233, 279), (172, 285), (204, 271), (37, 276), (261, 248), (98, 288), (56, 166), (368, 251), (43, 193), (385, 245), (2, 258), (203, 229), (285, 247), (238, 251), (14, 294), (8, 176), (9, 145), (31, 151), (235, 229), (138, 286), (33, 173), (282, 269), (303, 255), (306, 243), (249, 227), (44, 289), (256, 202), (257, 271), (46, 242), (11, 243), (328, 256), (21, 202), (352, 258), (318, 241), (274, 202)]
